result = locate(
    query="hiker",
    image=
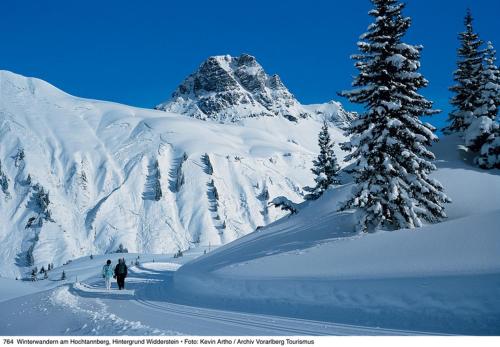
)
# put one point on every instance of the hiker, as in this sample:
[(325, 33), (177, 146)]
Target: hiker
[(107, 273), (121, 273)]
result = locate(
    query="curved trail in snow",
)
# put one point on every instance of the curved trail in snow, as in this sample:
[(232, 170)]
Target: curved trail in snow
[(149, 303)]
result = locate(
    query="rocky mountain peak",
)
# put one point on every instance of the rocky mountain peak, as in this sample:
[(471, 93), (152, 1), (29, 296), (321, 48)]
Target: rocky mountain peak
[(226, 88)]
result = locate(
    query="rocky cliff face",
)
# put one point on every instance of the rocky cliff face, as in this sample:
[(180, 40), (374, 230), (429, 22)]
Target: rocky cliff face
[(229, 89)]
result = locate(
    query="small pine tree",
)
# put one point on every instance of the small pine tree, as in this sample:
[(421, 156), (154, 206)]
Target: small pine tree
[(483, 127), (157, 185), (30, 259), (121, 249), (19, 157), (42, 270), (63, 276), (40, 202), (209, 169), (325, 166), (489, 156), (490, 88), (468, 78), (4, 181), (388, 141)]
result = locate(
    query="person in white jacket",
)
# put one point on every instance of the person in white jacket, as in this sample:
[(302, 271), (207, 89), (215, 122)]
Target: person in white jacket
[(107, 274)]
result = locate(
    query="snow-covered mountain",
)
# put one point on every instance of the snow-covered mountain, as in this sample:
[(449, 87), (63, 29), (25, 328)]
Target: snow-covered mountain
[(81, 176), (229, 89)]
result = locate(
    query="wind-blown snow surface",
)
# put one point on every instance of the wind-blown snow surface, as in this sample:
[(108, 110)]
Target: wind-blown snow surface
[(443, 277), (147, 306), (97, 162)]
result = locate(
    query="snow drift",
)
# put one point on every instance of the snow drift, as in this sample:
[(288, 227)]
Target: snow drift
[(442, 277)]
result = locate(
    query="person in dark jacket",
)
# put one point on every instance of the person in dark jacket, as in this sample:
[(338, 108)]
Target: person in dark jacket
[(121, 272)]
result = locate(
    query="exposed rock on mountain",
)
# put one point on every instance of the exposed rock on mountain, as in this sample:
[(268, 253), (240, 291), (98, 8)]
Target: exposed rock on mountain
[(229, 89)]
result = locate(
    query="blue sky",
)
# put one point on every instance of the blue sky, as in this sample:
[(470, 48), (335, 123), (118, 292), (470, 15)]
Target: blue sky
[(137, 52)]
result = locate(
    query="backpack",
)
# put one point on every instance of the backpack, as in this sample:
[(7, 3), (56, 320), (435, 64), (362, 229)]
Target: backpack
[(121, 269)]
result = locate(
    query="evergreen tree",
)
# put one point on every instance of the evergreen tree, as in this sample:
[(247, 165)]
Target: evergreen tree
[(30, 259), (4, 182), (45, 275), (489, 157), (468, 78), (325, 166), (157, 185), (121, 249), (483, 125), (209, 169), (388, 141), (490, 91), (40, 202)]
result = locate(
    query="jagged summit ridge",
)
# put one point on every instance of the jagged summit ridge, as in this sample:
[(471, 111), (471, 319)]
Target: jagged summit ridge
[(229, 89)]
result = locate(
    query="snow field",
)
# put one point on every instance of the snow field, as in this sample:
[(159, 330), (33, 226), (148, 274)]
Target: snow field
[(441, 277)]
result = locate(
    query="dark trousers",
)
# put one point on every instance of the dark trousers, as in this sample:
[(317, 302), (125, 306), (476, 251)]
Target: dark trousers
[(120, 280)]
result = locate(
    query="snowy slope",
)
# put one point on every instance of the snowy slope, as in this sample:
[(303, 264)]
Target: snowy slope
[(148, 306), (443, 277), (97, 162), (307, 274)]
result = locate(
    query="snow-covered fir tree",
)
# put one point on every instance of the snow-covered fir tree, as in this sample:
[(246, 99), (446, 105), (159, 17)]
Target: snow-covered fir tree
[(468, 79), (389, 142), (209, 169), (30, 259), (490, 91), (483, 125), (489, 157), (40, 202), (157, 185), (489, 154), (4, 182), (121, 249), (325, 166)]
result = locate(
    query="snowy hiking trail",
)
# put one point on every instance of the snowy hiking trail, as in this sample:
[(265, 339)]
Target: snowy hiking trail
[(149, 307), (153, 301)]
